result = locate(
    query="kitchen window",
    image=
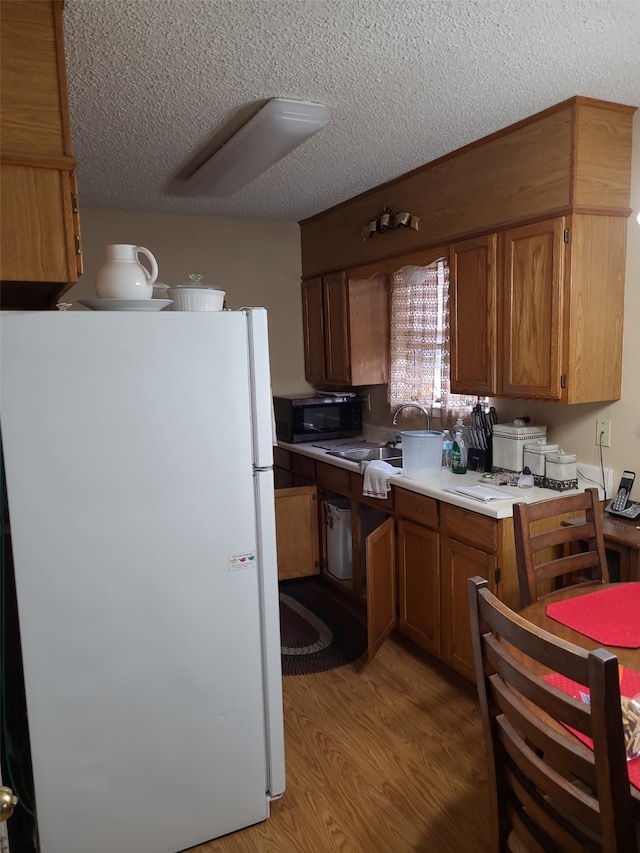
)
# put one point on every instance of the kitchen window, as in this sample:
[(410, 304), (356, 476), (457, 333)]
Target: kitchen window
[(419, 349)]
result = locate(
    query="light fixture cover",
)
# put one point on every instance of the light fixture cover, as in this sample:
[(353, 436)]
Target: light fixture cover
[(273, 132)]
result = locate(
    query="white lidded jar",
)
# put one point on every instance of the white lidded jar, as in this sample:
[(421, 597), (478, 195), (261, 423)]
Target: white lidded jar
[(196, 296), (561, 470), (508, 442), (535, 455)]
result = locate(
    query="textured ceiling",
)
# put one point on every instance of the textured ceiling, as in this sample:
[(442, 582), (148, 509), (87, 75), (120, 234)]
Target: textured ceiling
[(152, 82)]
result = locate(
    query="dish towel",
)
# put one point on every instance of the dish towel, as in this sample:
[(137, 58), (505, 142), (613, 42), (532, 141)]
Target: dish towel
[(376, 478)]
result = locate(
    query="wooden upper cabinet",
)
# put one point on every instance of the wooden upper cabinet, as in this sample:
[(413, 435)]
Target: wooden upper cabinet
[(472, 303), (346, 330), (594, 308), (574, 155), (336, 329), (40, 238), (561, 328), (532, 315), (313, 329)]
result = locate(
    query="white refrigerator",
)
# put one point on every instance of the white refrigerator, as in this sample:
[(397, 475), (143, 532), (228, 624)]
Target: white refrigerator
[(138, 453)]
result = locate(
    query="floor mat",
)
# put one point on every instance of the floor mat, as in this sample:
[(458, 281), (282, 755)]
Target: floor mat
[(317, 633)]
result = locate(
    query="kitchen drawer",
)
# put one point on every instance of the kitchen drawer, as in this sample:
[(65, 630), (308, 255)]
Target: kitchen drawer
[(330, 478), (471, 527), (282, 458), (303, 467), (418, 508)]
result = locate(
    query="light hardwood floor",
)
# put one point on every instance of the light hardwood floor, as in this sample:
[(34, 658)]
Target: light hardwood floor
[(381, 757)]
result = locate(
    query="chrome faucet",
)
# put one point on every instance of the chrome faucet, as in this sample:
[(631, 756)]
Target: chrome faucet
[(412, 406)]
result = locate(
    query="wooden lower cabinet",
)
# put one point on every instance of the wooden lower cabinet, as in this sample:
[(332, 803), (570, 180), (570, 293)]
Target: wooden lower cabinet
[(460, 562), (282, 470), (411, 558), (418, 573), (380, 585), (297, 532)]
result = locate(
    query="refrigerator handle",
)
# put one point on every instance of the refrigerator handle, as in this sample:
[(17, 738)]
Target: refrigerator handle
[(260, 378)]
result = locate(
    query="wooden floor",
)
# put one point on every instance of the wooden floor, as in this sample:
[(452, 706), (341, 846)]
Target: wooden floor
[(382, 757)]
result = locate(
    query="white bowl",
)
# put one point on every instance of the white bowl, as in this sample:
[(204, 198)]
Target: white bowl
[(187, 298)]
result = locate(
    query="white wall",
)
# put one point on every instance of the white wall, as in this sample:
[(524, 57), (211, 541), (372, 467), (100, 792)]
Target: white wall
[(256, 261)]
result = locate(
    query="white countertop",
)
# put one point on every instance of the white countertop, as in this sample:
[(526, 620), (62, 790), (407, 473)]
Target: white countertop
[(436, 487)]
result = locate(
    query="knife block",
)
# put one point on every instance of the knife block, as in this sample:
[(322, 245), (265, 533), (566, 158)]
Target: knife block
[(479, 459)]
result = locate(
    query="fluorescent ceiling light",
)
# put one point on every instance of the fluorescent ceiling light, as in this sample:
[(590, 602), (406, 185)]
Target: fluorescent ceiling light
[(273, 132)]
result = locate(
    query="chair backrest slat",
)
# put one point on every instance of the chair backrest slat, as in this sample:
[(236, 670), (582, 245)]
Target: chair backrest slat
[(542, 541)]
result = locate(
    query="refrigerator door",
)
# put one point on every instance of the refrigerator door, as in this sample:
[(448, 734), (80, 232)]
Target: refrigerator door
[(129, 465)]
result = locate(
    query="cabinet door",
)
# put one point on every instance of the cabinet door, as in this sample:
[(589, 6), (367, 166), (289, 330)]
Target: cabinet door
[(473, 309), (297, 532), (37, 237), (460, 562), (419, 584), (336, 329), (313, 330), (368, 302), (34, 97), (532, 316), (595, 321), (40, 238), (381, 585)]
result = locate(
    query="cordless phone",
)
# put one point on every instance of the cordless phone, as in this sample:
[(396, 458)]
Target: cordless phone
[(621, 505)]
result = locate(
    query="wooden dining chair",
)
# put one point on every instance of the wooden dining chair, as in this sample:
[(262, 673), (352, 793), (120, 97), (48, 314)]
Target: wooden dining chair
[(535, 546), (548, 790)]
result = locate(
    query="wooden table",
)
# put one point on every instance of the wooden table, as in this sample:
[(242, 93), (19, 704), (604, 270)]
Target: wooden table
[(622, 536), (537, 614)]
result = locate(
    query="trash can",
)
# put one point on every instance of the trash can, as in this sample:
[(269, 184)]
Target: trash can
[(338, 521)]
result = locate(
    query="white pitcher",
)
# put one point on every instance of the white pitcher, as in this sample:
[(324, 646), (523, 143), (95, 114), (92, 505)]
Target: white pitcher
[(122, 276)]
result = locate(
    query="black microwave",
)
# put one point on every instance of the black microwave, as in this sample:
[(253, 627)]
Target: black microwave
[(318, 418)]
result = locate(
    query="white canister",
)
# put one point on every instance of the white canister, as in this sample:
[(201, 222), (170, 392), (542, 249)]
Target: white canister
[(561, 471), (508, 442), (535, 454)]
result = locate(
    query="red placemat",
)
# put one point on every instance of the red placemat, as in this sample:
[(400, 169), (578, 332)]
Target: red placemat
[(629, 686), (611, 616)]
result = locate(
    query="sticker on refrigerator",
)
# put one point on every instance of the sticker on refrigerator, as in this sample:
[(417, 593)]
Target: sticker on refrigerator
[(241, 561)]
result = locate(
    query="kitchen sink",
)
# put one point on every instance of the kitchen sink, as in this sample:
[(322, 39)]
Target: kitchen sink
[(370, 454)]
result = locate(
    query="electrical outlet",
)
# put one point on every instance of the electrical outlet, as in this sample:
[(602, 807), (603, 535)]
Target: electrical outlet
[(603, 433)]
